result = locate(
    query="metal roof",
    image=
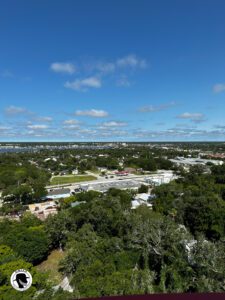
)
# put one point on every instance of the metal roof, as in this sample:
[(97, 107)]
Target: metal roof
[(59, 192)]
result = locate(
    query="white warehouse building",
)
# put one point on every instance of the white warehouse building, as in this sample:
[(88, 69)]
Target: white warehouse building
[(161, 177)]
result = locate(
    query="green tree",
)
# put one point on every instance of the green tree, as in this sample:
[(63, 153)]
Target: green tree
[(57, 228), (7, 254), (6, 290), (143, 189), (31, 243)]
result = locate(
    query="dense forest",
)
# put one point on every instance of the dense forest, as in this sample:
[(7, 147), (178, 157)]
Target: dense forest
[(110, 249)]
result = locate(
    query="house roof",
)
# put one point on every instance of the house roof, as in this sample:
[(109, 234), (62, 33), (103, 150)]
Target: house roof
[(136, 203), (143, 196)]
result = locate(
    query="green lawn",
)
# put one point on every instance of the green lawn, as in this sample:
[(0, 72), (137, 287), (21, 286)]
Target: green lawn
[(71, 179), (51, 266)]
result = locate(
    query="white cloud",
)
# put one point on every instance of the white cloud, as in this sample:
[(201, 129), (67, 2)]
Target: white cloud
[(15, 110), (114, 124), (105, 67), (92, 113), (66, 68), (71, 127), (37, 126), (154, 108), (4, 128), (131, 61), (218, 88), (44, 119), (87, 131), (195, 117), (123, 81), (112, 133), (94, 71), (179, 133), (84, 84), (71, 122)]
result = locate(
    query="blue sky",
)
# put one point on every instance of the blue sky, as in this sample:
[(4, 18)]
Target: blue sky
[(136, 70)]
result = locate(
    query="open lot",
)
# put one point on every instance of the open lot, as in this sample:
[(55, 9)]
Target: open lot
[(71, 179), (51, 264)]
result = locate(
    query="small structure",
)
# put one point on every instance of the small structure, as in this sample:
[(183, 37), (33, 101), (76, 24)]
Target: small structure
[(142, 199), (130, 170), (85, 187), (65, 285), (64, 172), (75, 172), (50, 158), (121, 173), (44, 209), (101, 169), (136, 203)]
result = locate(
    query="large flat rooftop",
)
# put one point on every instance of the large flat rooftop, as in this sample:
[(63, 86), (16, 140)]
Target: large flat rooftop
[(119, 184)]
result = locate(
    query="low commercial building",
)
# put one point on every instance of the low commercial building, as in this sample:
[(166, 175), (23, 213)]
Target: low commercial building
[(161, 177), (58, 193), (118, 184), (187, 162)]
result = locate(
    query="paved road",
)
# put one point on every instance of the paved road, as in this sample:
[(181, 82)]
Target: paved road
[(100, 179)]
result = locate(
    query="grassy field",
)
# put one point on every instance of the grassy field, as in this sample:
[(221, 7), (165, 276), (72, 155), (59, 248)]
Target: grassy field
[(51, 266), (71, 179)]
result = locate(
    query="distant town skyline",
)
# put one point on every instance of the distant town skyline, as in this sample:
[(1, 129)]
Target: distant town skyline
[(112, 70)]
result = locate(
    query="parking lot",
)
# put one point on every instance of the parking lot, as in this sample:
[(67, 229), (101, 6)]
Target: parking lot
[(119, 184)]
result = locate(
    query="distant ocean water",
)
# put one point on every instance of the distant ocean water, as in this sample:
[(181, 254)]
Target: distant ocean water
[(15, 150), (35, 149)]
